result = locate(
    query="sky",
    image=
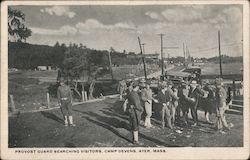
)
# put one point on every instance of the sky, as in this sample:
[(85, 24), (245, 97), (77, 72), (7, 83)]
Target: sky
[(119, 26)]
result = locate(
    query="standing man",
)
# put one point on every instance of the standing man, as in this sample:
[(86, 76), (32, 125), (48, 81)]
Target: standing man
[(147, 98), (64, 97), (171, 97), (183, 102), (194, 95), (135, 110), (220, 100), (207, 103), (122, 86), (175, 104)]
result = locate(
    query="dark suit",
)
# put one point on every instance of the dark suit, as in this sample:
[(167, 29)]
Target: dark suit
[(135, 109), (194, 93)]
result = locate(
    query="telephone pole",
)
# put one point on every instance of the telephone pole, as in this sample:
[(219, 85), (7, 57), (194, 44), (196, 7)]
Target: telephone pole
[(184, 55), (219, 54), (110, 66), (162, 60), (143, 59)]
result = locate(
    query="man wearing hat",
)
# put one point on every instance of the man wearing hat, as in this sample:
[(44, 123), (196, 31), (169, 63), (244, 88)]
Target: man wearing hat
[(135, 110), (194, 95), (220, 101), (183, 102), (64, 97), (164, 98), (171, 97), (208, 102), (147, 98)]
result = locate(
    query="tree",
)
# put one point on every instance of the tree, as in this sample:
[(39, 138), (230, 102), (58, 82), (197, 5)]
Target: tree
[(17, 29), (81, 64)]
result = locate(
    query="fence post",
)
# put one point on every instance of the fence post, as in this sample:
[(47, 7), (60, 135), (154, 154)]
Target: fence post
[(12, 106), (48, 100), (85, 95)]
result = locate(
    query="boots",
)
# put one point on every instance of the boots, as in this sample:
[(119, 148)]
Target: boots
[(66, 121), (71, 121), (136, 138)]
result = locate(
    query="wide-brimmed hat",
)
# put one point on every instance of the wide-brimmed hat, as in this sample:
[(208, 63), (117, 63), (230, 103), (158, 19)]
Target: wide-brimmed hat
[(218, 81), (170, 83), (148, 82), (135, 83), (193, 82), (162, 84), (142, 80)]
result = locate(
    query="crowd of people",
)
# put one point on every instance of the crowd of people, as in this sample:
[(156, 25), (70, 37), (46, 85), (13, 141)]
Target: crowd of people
[(175, 102)]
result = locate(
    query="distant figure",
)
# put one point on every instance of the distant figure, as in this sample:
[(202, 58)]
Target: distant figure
[(122, 86), (220, 97), (64, 97)]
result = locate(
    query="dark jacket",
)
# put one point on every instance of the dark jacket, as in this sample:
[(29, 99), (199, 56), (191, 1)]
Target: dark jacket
[(134, 99)]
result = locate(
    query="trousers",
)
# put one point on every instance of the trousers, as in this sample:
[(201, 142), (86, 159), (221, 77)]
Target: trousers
[(134, 117), (66, 107)]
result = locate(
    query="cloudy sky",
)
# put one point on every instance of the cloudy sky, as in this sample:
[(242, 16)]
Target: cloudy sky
[(101, 27)]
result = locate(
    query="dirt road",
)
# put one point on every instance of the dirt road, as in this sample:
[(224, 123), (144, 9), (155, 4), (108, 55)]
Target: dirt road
[(102, 124)]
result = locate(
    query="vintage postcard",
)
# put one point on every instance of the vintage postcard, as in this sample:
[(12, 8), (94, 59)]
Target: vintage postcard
[(125, 79)]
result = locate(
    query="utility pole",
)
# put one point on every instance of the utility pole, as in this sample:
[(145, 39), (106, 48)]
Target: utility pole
[(184, 55), (219, 54), (110, 66), (143, 59), (162, 61)]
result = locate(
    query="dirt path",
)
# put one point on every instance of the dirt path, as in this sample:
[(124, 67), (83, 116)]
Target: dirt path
[(102, 124)]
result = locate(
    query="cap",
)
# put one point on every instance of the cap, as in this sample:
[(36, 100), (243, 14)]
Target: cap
[(61, 79)]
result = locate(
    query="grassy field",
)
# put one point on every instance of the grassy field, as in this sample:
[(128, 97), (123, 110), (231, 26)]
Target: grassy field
[(29, 88), (230, 68)]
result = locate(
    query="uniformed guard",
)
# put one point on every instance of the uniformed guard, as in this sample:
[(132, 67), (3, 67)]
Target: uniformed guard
[(135, 110), (64, 97), (220, 100)]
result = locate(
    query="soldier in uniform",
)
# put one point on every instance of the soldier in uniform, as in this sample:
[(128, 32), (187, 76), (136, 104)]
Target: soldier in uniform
[(135, 110), (64, 97), (220, 100)]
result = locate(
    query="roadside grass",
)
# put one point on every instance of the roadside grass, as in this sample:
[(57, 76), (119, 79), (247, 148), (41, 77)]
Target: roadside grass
[(30, 90), (227, 68)]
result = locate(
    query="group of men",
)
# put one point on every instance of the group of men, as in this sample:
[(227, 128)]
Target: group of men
[(174, 101)]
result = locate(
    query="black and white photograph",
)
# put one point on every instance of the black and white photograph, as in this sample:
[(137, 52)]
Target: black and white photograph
[(145, 75)]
